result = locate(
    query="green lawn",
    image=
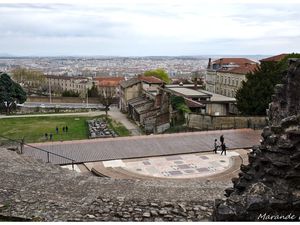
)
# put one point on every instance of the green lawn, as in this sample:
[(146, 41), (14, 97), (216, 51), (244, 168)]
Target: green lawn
[(33, 129)]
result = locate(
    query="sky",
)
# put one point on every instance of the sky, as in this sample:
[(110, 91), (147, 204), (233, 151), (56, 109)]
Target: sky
[(149, 27)]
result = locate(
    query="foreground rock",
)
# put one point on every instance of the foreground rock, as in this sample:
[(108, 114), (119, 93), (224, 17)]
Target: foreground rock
[(269, 187)]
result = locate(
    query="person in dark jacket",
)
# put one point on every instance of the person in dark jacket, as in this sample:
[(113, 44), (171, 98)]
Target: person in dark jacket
[(223, 147), (222, 139)]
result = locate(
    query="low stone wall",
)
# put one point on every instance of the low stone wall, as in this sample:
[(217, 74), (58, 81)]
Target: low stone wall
[(39, 110), (206, 122), (62, 99)]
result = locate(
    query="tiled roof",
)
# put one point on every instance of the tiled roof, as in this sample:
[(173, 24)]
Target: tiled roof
[(275, 58), (130, 82), (150, 79), (237, 61), (193, 104), (242, 69), (108, 81)]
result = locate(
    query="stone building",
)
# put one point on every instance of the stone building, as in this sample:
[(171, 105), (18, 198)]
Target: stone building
[(67, 83), (129, 89), (134, 87), (203, 102), (225, 75), (109, 86)]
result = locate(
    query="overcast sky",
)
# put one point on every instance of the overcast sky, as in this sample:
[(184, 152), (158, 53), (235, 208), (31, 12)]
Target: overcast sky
[(149, 27)]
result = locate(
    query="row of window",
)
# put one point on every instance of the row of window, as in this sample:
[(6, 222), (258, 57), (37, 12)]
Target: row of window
[(227, 92), (228, 80)]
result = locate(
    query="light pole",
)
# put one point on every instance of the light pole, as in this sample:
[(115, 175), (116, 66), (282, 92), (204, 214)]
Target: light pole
[(87, 96), (50, 91)]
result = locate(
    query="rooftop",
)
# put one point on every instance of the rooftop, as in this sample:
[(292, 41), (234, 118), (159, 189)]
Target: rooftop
[(150, 79), (188, 92), (242, 69), (218, 98), (238, 61), (129, 83), (275, 58)]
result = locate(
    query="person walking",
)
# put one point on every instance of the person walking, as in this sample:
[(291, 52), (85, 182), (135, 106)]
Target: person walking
[(46, 136), (216, 146), (51, 136), (222, 139), (223, 146), (56, 129), (63, 129), (67, 129)]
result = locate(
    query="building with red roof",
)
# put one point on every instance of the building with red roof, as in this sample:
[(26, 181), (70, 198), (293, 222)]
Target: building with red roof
[(275, 58), (108, 86), (225, 75)]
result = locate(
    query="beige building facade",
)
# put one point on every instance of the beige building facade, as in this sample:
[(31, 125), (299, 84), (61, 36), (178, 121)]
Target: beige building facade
[(225, 76)]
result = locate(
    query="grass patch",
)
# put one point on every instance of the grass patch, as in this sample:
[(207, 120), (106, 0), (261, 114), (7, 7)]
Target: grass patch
[(33, 129)]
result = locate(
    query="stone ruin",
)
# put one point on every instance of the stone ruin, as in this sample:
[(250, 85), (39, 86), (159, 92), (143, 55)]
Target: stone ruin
[(99, 129), (268, 189)]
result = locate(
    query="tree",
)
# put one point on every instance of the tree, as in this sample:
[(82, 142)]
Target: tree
[(107, 99), (179, 104), (32, 80), (159, 73), (93, 92), (11, 93), (255, 94), (70, 93)]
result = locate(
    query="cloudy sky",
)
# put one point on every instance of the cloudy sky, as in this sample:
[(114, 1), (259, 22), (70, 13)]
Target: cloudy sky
[(149, 27)]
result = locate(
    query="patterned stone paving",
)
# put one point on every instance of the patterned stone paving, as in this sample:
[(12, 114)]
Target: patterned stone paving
[(190, 166), (143, 146)]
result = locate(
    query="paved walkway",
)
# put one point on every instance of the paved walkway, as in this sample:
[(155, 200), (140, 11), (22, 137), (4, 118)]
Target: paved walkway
[(143, 146)]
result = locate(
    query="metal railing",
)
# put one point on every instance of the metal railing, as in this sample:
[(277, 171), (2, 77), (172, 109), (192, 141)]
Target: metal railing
[(22, 144)]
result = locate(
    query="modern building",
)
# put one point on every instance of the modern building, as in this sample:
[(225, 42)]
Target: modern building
[(224, 76)]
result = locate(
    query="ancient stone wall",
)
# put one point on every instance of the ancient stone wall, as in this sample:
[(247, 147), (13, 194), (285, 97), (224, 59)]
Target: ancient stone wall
[(269, 187), (206, 122)]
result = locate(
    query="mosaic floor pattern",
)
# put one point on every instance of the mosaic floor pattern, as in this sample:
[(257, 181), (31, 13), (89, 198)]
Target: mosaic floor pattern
[(179, 166)]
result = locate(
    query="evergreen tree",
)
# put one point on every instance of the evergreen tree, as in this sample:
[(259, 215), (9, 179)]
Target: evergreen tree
[(11, 93), (255, 94)]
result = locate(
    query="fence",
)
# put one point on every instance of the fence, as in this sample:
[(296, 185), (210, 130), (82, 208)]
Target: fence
[(45, 155)]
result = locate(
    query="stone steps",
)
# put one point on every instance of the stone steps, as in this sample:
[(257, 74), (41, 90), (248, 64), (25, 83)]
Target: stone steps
[(46, 192)]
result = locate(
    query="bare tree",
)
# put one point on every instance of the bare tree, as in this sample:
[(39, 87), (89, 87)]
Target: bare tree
[(107, 99)]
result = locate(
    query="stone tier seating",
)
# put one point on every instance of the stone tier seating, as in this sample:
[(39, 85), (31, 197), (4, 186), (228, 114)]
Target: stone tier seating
[(40, 191)]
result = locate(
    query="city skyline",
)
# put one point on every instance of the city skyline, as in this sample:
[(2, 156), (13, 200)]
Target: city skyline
[(148, 28)]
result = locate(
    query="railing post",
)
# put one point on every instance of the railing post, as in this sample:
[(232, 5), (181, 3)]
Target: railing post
[(48, 157), (22, 146)]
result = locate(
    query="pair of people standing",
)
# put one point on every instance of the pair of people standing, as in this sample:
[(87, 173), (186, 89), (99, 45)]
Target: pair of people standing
[(223, 146)]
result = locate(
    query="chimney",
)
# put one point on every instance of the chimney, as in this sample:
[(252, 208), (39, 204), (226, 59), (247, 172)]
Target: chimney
[(221, 62), (209, 64)]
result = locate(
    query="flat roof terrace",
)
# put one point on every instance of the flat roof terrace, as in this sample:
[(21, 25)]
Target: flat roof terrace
[(93, 150)]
